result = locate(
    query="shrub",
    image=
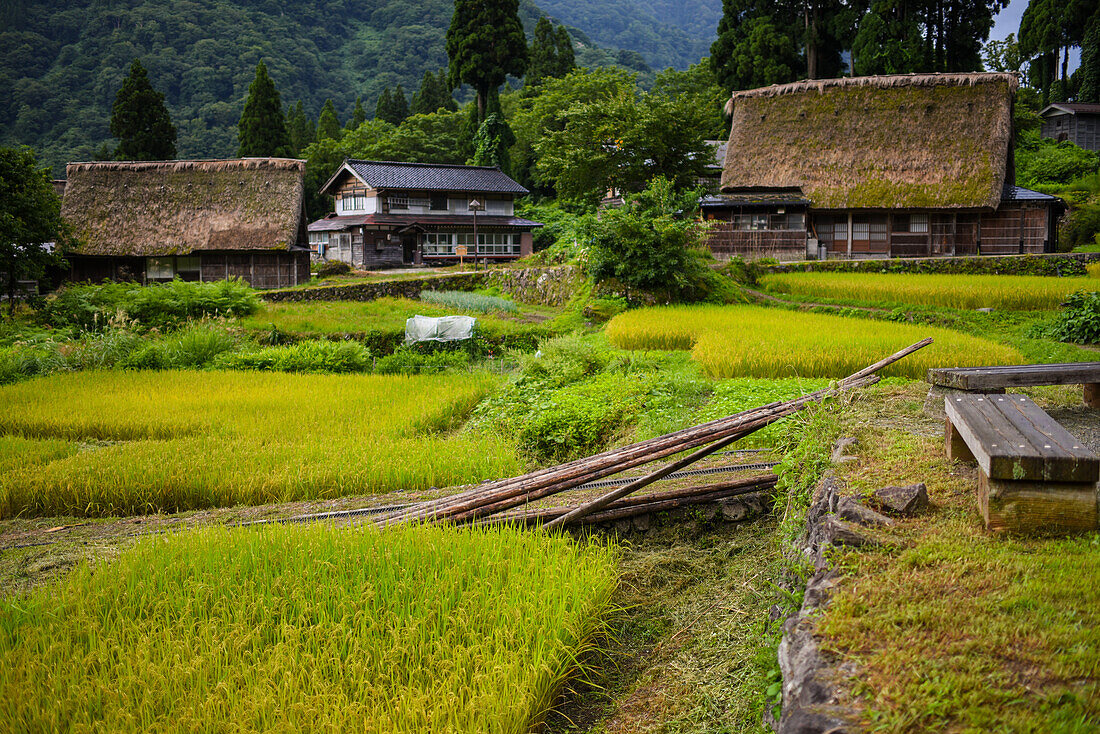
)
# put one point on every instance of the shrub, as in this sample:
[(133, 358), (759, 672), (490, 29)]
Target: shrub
[(1079, 323), (409, 361), (1080, 227), (94, 307), (1094, 270), (306, 356), (468, 301), (329, 268)]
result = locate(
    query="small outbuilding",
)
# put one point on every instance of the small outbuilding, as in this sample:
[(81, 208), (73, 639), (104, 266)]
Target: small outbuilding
[(1075, 122), (881, 166), (209, 220)]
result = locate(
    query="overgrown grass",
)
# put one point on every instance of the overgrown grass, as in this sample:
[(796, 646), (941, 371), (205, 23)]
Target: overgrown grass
[(950, 628), (465, 301), (185, 440), (1009, 292), (326, 318), (414, 629), (734, 341)]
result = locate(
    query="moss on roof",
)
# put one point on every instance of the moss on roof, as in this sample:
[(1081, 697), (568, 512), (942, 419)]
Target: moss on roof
[(929, 141), (177, 207)]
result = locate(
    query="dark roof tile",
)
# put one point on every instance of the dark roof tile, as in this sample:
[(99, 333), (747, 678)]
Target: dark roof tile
[(435, 177)]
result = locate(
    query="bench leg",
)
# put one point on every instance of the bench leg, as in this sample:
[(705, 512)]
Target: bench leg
[(1092, 394), (956, 448), (1037, 507)]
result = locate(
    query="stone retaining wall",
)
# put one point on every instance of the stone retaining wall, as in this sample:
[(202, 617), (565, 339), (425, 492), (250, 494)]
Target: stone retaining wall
[(546, 286), (411, 288)]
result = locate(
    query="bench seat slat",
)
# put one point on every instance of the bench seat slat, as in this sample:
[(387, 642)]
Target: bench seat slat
[(1013, 439), (1024, 375)]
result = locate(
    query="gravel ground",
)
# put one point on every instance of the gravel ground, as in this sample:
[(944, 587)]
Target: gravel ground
[(1082, 422)]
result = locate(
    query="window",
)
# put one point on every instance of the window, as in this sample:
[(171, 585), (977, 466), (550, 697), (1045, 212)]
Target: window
[(918, 222), (439, 243), (438, 203), (354, 202), (399, 202), (159, 268), (749, 222), (861, 230), (497, 206)]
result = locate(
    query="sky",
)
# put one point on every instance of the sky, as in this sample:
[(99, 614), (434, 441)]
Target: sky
[(1008, 21)]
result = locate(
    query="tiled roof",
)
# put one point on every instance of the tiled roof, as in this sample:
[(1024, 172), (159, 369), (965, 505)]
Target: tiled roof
[(760, 198), (1019, 193), (332, 224), (1073, 108), (435, 177)]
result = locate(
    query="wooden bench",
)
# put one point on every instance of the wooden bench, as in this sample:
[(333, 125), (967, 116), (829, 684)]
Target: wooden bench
[(1033, 475), (991, 380)]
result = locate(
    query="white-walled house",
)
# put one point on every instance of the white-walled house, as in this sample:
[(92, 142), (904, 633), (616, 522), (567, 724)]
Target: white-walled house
[(388, 214)]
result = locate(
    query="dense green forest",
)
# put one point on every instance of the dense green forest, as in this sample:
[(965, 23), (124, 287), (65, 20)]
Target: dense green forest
[(666, 33), (62, 62)]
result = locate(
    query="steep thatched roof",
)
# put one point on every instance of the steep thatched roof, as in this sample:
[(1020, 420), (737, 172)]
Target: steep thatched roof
[(177, 207), (913, 141)]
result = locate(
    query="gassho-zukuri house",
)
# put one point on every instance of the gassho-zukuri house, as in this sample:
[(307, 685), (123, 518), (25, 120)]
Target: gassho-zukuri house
[(390, 214), (879, 166), (153, 221)]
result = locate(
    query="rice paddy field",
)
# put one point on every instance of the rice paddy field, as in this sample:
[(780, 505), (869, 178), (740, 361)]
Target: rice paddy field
[(306, 628), (326, 318), (1001, 292), (752, 341), (110, 443)]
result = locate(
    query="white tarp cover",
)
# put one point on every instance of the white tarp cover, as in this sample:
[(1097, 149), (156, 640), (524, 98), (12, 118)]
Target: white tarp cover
[(439, 328)]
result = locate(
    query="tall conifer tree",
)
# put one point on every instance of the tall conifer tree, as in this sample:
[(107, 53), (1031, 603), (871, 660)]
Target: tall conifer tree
[(551, 54), (1089, 90), (358, 115), (328, 124), (300, 128), (140, 120), (262, 129), (485, 44)]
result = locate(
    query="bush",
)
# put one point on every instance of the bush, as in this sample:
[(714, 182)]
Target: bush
[(1044, 161), (468, 301), (329, 268), (306, 356), (1079, 323), (409, 361), (95, 307), (1080, 227), (1094, 270), (647, 244)]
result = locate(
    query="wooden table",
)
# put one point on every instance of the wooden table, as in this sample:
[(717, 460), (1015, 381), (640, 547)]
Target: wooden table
[(1033, 474), (991, 380)]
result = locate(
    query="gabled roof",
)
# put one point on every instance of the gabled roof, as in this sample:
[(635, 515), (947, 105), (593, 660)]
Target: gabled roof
[(428, 177), (154, 208), (913, 141), (1071, 108), (1019, 193)]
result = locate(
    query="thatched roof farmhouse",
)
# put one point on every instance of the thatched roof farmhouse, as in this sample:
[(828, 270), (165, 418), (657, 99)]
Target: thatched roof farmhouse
[(876, 166), (198, 220)]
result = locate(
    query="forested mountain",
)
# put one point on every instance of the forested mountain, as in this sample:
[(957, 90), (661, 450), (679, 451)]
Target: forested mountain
[(62, 62), (666, 33)]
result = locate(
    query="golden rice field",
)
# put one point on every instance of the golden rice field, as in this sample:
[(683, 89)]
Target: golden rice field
[(170, 441), (1002, 292), (306, 628), (753, 341)]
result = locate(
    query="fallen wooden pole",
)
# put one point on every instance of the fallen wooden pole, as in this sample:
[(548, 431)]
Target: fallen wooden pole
[(505, 494)]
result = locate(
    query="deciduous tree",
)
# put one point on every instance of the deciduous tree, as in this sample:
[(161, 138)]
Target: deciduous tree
[(140, 120), (262, 129), (30, 217)]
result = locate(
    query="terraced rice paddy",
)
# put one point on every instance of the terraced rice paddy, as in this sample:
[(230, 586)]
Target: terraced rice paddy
[(414, 629), (169, 441), (751, 341), (1001, 292)]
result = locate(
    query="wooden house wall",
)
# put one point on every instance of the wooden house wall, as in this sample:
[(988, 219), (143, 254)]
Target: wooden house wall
[(259, 269), (726, 241), (1015, 229)]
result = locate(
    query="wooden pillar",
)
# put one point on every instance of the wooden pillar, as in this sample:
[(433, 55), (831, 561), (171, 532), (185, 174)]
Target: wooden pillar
[(252, 270), (849, 234), (954, 231), (1092, 394), (956, 448)]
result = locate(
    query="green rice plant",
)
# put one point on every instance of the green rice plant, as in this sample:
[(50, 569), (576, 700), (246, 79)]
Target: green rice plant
[(308, 356), (465, 301), (314, 628), (20, 453), (186, 440), (405, 361), (1001, 292), (752, 341)]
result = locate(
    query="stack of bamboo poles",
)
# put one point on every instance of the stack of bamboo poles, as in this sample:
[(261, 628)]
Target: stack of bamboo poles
[(493, 497)]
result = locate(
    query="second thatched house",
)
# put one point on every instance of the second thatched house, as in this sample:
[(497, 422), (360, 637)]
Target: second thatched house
[(196, 220), (881, 166)]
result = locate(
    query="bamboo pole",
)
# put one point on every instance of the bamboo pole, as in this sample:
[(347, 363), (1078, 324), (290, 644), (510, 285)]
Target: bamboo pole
[(508, 493)]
